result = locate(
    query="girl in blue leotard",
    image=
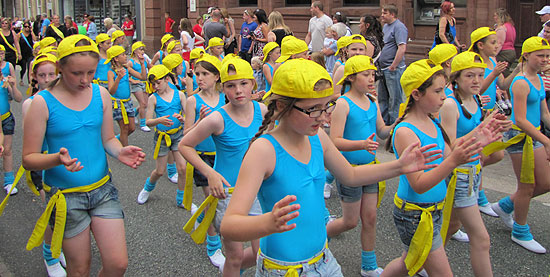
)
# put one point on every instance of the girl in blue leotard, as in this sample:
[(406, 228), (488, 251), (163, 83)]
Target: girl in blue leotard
[(272, 52), (137, 85), (285, 169), (72, 111), (103, 44), (5, 66), (232, 127), (164, 41)]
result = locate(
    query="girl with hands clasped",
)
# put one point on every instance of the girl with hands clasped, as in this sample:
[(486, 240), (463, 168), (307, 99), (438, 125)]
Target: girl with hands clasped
[(231, 127), (165, 111), (69, 112), (420, 197), (355, 122), (285, 169), (530, 161)]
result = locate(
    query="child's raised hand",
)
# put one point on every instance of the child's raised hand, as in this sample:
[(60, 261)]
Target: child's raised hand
[(370, 145), (258, 95), (464, 149), (131, 156), (165, 120), (11, 81), (484, 99), (121, 72), (415, 158), (216, 184), (178, 117), (500, 67), (205, 110), (282, 213), (72, 165)]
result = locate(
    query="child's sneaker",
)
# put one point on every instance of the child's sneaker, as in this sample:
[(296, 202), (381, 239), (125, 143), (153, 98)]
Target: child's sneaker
[(8, 188), (371, 273), (218, 259), (143, 197), (55, 270)]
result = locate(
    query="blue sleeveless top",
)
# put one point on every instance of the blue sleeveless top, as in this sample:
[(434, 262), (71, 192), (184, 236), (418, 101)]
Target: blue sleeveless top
[(161, 53), (101, 70), (492, 89), (306, 181), (233, 142), (163, 108), (436, 193), (181, 77), (464, 125), (123, 90), (195, 84), (448, 92), (533, 101), (360, 124), (80, 133), (267, 84), (206, 145), (6, 69), (4, 99), (137, 67), (44, 145)]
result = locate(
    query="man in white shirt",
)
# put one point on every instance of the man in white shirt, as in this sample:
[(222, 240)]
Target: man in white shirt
[(317, 26), (544, 14)]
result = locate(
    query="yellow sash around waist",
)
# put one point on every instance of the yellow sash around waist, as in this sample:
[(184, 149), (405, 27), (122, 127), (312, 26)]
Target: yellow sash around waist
[(381, 185), (166, 137), (291, 270), (199, 235), (4, 116), (528, 156), (188, 191), (58, 202), (122, 108)]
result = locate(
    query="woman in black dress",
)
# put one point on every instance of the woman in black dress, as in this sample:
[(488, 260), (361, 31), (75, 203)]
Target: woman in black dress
[(10, 40)]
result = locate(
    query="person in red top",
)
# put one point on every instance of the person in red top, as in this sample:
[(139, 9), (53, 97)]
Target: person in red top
[(197, 29), (169, 23), (129, 29), (86, 21)]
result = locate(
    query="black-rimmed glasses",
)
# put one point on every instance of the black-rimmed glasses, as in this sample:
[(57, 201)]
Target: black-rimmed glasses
[(314, 113)]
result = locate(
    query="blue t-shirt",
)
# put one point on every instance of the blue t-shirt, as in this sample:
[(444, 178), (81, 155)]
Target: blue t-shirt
[(45, 23), (246, 30), (395, 34)]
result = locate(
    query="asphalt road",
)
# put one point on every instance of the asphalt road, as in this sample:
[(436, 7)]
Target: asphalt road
[(158, 246)]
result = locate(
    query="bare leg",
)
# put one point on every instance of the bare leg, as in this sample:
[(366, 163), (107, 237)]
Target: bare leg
[(111, 241), (78, 254)]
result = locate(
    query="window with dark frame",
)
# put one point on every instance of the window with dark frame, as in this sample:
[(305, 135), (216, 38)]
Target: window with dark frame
[(248, 2), (361, 2), (298, 2)]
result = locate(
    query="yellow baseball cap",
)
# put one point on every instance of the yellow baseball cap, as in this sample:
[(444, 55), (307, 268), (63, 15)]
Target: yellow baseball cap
[(172, 45), (172, 61), (268, 48), (68, 46), (291, 46), (211, 60), (467, 60), (116, 34), (297, 78), (48, 50), (341, 43), (47, 41), (165, 39), (356, 64), (196, 53), (533, 44), (113, 52), (478, 34), (137, 45), (442, 53), (44, 58), (414, 76), (243, 70), (159, 71), (215, 41), (350, 40), (101, 38)]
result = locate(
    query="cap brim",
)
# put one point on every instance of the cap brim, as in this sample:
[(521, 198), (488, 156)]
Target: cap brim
[(541, 12), (341, 80), (107, 61), (282, 58), (266, 95)]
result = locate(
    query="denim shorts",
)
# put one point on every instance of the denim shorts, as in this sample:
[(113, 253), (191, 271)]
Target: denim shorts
[(8, 125), (407, 223), (198, 177), (327, 266), (81, 206), (163, 151), (256, 209), (353, 194), (137, 87), (518, 147), (466, 196), (117, 113)]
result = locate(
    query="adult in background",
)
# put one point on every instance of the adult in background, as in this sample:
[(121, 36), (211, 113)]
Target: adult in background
[(110, 27), (317, 26), (506, 37), (197, 29), (445, 31), (128, 27), (36, 27), (371, 30), (168, 23), (245, 36), (10, 40), (70, 25), (544, 15), (25, 44), (45, 23), (92, 27), (56, 29), (188, 38), (342, 18), (230, 42), (259, 36), (392, 63), (278, 28), (85, 21), (214, 28)]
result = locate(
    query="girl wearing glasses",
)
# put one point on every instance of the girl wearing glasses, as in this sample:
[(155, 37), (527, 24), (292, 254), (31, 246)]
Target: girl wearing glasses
[(285, 168)]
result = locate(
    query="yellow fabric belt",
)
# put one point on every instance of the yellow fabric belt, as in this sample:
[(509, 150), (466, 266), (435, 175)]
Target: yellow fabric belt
[(199, 235), (6, 115), (421, 242), (122, 108), (528, 157), (166, 136), (97, 81), (188, 191), (18, 176), (291, 270), (58, 202), (381, 185)]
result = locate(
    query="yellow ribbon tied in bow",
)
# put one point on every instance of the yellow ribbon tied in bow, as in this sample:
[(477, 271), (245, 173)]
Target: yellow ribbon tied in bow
[(116, 102), (528, 157), (166, 137), (188, 191), (291, 270), (58, 202)]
